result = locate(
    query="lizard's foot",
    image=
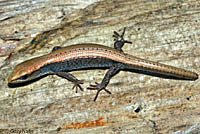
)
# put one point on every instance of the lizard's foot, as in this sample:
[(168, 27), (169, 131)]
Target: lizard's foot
[(120, 38), (99, 88), (77, 85)]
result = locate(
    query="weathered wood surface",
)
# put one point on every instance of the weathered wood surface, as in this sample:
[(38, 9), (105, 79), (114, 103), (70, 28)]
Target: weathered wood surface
[(167, 32)]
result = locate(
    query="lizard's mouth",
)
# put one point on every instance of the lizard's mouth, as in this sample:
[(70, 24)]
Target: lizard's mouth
[(13, 80)]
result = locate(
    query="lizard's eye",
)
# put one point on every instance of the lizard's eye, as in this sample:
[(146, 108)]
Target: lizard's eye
[(24, 77)]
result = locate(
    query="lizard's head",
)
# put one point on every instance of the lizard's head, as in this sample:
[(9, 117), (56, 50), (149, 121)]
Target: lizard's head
[(24, 72), (19, 74)]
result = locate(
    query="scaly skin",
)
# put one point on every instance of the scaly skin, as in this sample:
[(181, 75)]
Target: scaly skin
[(85, 56)]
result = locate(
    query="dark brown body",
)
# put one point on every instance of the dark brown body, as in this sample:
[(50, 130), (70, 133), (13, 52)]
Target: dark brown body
[(94, 51)]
